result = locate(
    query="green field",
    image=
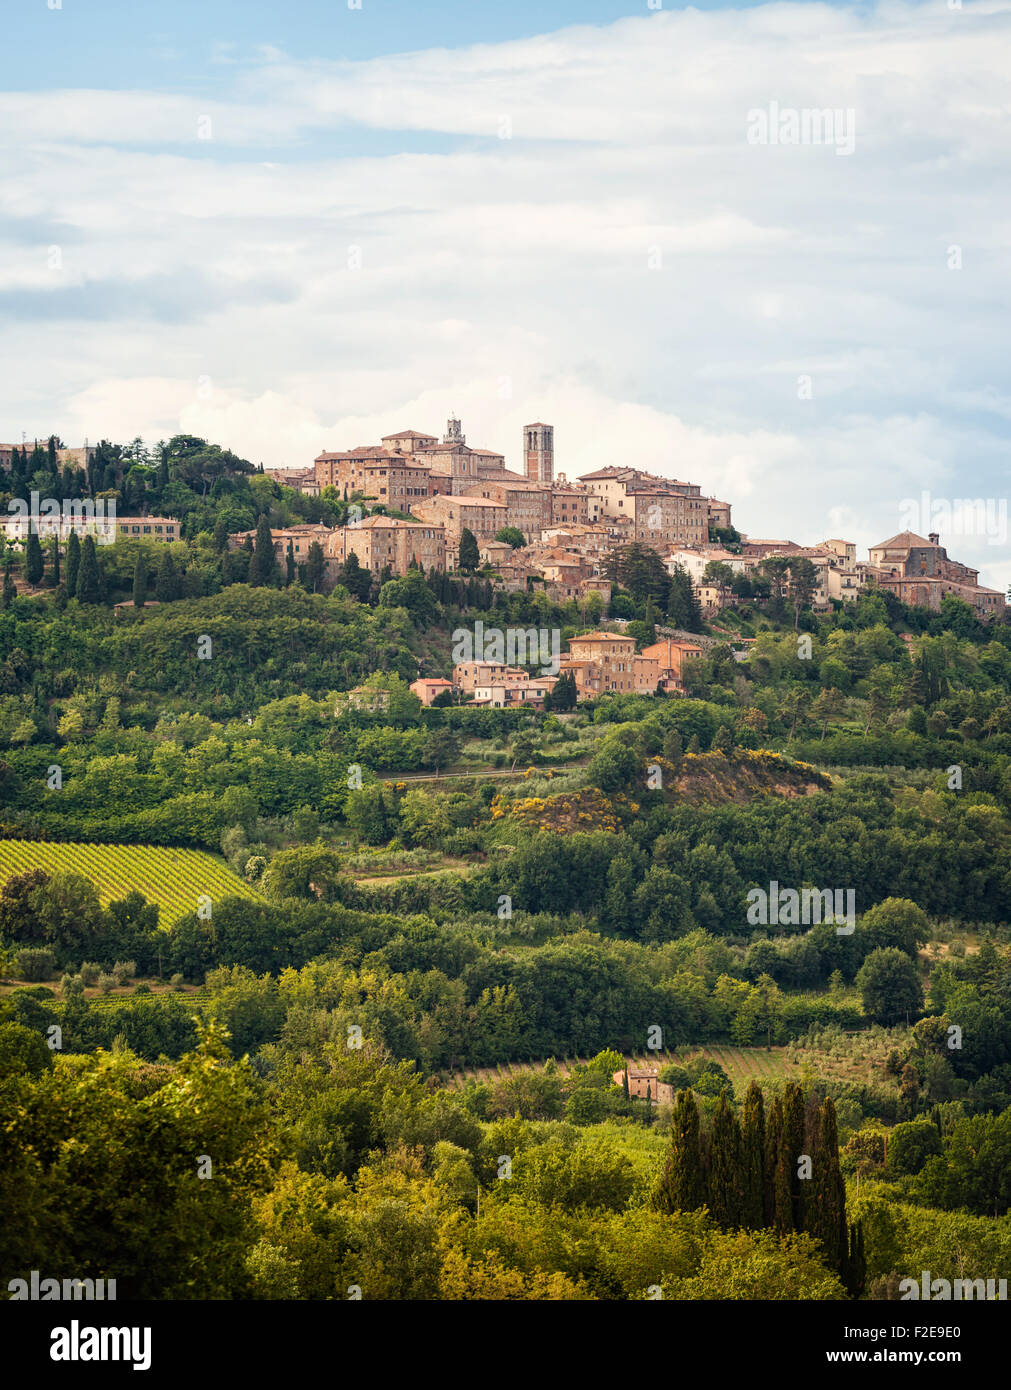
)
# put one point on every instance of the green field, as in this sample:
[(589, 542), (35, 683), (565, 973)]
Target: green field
[(172, 878)]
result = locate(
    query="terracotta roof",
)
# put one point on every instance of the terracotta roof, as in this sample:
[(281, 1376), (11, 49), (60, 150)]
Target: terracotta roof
[(903, 541)]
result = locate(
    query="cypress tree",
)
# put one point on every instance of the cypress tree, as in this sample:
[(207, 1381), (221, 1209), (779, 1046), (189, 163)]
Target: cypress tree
[(682, 1184), (263, 566), (88, 579), (469, 559), (726, 1174), (855, 1272), (825, 1202), (226, 569), (73, 563), (289, 565), (34, 563), (165, 579), (754, 1214), (779, 1207), (139, 581), (56, 562), (10, 591), (624, 1082), (793, 1146)]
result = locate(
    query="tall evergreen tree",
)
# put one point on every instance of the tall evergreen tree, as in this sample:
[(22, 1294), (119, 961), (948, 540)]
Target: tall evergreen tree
[(315, 567), (754, 1213), (777, 1172), (89, 583), (682, 1183), (726, 1174), (825, 1202), (10, 589), (139, 581), (855, 1271), (793, 1145), (469, 559), (264, 564), (73, 563), (34, 563), (289, 564), (56, 562), (168, 584)]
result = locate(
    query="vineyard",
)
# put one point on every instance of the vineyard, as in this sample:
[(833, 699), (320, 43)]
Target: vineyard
[(172, 878), (742, 1064)]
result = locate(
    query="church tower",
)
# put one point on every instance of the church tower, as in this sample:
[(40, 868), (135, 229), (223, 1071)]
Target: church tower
[(539, 453), (454, 432)]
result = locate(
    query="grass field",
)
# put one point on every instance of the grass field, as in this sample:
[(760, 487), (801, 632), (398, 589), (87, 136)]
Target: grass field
[(172, 878)]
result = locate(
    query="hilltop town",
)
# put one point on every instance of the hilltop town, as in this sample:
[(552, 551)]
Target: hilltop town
[(414, 501)]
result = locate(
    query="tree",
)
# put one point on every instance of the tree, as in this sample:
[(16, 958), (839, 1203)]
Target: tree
[(890, 986), (897, 922), (289, 563), (314, 568), (56, 562), (10, 588), (682, 1185), (469, 559), (638, 568), (34, 563), (263, 568), (726, 1175), (442, 746), (563, 693), (356, 580), (511, 535), (73, 563), (139, 581), (683, 607), (803, 585), (753, 1213), (88, 579), (166, 584), (825, 1206)]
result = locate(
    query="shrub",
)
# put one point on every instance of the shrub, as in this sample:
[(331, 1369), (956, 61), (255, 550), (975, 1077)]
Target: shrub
[(177, 981), (71, 984), (106, 983), (90, 972), (34, 964), (123, 971)]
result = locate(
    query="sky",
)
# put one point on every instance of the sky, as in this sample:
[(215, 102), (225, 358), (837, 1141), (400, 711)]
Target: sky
[(760, 247)]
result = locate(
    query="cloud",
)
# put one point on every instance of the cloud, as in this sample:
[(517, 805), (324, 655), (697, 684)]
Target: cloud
[(623, 262)]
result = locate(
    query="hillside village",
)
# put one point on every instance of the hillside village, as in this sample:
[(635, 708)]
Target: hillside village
[(413, 499)]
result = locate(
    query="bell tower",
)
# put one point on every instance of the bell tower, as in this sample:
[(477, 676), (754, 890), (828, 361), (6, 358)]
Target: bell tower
[(539, 452)]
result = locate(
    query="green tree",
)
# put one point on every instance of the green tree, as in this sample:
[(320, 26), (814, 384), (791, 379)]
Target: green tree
[(34, 563), (73, 563), (511, 535), (682, 1185), (263, 569), (88, 578), (469, 558), (314, 568), (139, 581), (890, 986)]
